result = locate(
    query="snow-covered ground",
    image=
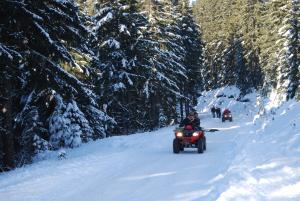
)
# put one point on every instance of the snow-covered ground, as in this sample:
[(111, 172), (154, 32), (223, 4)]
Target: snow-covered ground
[(245, 160)]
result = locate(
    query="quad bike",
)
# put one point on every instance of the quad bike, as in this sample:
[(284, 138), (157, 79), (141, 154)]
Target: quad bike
[(188, 138), (226, 116)]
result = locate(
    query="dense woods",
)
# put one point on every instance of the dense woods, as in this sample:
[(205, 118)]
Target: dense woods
[(251, 43), (76, 71), (73, 71)]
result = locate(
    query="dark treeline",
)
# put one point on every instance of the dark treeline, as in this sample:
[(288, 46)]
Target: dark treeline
[(76, 71)]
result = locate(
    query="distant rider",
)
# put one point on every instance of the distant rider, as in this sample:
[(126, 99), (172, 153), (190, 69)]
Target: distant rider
[(218, 112), (226, 111), (213, 111)]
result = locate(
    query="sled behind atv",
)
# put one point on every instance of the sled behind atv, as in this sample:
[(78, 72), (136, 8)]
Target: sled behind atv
[(189, 138)]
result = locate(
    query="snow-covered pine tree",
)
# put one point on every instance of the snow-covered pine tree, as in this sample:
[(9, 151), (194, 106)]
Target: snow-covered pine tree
[(234, 69), (119, 31), (80, 131), (43, 49), (193, 46), (213, 16), (33, 134), (167, 71), (241, 73), (10, 82), (293, 53), (68, 126), (176, 51), (281, 57), (250, 12), (59, 125), (228, 68)]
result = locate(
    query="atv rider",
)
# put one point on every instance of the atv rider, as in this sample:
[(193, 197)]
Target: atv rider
[(191, 120), (226, 111)]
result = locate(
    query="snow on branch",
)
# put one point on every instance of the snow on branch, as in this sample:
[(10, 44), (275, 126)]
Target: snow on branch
[(58, 72)]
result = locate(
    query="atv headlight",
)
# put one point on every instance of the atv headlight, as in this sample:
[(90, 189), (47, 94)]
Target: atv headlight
[(179, 134), (195, 134)]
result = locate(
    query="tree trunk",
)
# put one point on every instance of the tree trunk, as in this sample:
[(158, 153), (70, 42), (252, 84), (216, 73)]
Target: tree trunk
[(154, 111), (187, 107), (8, 136), (181, 110)]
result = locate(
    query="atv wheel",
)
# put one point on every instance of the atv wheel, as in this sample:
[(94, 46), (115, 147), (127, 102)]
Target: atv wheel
[(230, 119), (176, 146), (223, 120), (204, 146), (200, 146)]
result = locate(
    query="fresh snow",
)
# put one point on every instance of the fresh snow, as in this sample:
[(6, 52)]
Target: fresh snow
[(123, 28), (112, 43), (44, 32), (243, 161), (104, 20)]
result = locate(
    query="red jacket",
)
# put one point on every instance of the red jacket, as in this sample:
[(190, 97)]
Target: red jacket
[(226, 111)]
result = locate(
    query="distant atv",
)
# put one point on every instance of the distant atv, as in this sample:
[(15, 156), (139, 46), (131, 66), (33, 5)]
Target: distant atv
[(188, 138), (226, 115)]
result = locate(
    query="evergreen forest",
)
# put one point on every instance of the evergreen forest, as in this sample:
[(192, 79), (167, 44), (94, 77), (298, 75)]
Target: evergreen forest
[(74, 71)]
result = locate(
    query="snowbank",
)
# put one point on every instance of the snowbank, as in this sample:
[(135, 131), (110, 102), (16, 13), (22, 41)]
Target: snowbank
[(228, 97), (268, 168)]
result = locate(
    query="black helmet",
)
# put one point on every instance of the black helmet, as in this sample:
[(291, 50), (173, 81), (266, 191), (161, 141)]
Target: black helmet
[(191, 114)]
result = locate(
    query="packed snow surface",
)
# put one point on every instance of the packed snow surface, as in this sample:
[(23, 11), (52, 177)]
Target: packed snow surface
[(245, 160)]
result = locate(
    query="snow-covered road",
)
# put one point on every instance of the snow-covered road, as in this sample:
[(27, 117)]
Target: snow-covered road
[(243, 161), (136, 167)]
